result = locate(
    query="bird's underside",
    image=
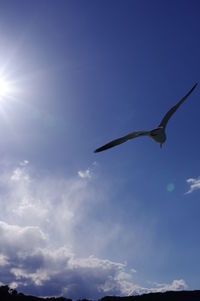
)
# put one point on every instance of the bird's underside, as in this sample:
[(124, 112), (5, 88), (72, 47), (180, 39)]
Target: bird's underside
[(157, 134)]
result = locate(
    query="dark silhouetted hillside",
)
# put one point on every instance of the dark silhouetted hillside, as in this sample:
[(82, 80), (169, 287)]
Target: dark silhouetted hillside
[(7, 294), (167, 296)]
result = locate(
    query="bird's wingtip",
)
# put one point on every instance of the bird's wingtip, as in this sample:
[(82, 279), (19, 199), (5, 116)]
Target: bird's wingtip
[(194, 86)]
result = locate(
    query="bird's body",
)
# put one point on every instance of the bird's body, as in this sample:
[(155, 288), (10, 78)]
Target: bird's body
[(158, 134)]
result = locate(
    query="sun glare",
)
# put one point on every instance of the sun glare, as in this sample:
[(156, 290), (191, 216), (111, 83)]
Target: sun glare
[(5, 88)]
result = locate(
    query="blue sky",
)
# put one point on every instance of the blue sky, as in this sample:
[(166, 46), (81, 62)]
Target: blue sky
[(81, 73)]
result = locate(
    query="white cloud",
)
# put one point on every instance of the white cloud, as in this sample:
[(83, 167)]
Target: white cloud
[(14, 238), (48, 231), (194, 184), (176, 285), (37, 278), (87, 173), (84, 174), (13, 285), (24, 163), (19, 175), (60, 272), (3, 260)]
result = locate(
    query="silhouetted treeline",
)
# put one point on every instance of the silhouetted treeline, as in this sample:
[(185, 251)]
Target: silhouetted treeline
[(7, 294)]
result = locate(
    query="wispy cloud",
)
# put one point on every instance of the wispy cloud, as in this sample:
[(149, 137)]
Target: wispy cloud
[(87, 173), (194, 184), (84, 173), (24, 163)]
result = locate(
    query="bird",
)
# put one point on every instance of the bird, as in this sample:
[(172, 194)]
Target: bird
[(158, 134)]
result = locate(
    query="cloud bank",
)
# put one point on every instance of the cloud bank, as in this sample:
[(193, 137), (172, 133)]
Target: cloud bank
[(44, 234)]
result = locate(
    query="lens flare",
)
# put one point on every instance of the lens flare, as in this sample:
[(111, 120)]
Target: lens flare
[(170, 187)]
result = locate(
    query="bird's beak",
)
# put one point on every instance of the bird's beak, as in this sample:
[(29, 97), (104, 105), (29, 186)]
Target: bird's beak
[(160, 145)]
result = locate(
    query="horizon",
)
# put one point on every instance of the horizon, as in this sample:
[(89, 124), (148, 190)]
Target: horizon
[(12, 294)]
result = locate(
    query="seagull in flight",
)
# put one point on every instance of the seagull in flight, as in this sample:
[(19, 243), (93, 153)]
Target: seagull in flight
[(158, 134)]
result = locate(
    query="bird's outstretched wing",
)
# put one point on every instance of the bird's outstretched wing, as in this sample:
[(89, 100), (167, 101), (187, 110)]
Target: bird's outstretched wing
[(169, 114), (121, 140)]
